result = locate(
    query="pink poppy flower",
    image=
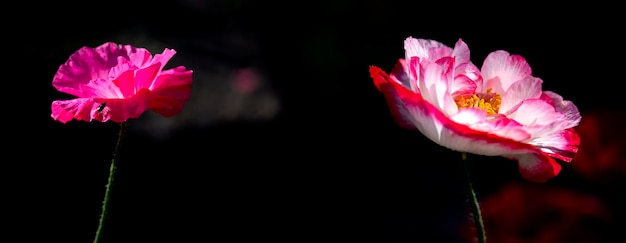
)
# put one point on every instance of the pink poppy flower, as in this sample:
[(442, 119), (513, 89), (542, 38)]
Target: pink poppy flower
[(499, 110), (117, 82)]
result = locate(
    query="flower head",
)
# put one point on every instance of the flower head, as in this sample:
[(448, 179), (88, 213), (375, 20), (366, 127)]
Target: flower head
[(498, 110), (117, 82)]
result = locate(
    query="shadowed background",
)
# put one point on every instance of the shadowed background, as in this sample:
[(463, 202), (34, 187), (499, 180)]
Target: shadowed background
[(285, 137)]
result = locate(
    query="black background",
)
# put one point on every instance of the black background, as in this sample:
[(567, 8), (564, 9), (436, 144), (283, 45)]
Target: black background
[(330, 166)]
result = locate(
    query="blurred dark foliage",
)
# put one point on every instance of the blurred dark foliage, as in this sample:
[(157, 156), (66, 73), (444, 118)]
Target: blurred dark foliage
[(328, 164)]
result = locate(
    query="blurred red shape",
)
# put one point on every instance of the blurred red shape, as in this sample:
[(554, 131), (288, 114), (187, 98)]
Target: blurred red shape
[(542, 213), (601, 157)]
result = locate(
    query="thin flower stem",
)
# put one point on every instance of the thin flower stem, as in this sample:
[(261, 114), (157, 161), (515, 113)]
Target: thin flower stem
[(478, 219), (107, 194)]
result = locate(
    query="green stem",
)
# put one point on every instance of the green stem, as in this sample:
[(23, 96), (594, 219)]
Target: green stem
[(478, 220), (107, 193)]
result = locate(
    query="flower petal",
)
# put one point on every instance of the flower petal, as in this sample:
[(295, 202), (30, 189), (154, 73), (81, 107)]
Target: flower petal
[(83, 66), (537, 166), (495, 124), (461, 52), (391, 92), (171, 90), (571, 115), (534, 112), (400, 74), (120, 110), (562, 145), (467, 81), (144, 77), (79, 109), (425, 49), (500, 70), (526, 88)]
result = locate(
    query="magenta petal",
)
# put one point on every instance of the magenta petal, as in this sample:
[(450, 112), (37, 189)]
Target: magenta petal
[(79, 109), (120, 110), (171, 90), (83, 66), (146, 76)]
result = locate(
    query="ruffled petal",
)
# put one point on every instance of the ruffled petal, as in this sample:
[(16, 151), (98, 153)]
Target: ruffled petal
[(83, 66), (383, 83), (120, 110), (500, 70), (144, 77), (571, 115), (465, 82), (171, 90), (562, 144), (534, 112), (526, 88), (495, 124), (537, 166), (461, 52), (88, 109), (425, 49), (163, 58), (79, 109), (435, 82)]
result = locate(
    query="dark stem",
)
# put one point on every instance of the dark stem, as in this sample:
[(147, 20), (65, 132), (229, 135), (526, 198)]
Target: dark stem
[(478, 219), (107, 193)]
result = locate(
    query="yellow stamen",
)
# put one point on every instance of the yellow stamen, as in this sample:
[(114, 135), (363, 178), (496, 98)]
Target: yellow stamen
[(489, 102)]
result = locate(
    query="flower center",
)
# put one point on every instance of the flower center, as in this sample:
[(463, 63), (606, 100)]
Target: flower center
[(489, 102)]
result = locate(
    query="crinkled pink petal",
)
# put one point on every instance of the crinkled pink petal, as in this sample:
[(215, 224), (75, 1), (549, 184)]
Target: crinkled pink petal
[(421, 51), (100, 88), (79, 109), (425, 49), (138, 57), (435, 82), (571, 115), (125, 82), (500, 70), (123, 109), (495, 124), (461, 52), (171, 90), (539, 117), (562, 145), (163, 58), (83, 66), (526, 88), (466, 82), (410, 107), (87, 109), (144, 77)]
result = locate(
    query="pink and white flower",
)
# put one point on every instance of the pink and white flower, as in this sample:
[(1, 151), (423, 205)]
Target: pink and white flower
[(117, 82), (498, 110)]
